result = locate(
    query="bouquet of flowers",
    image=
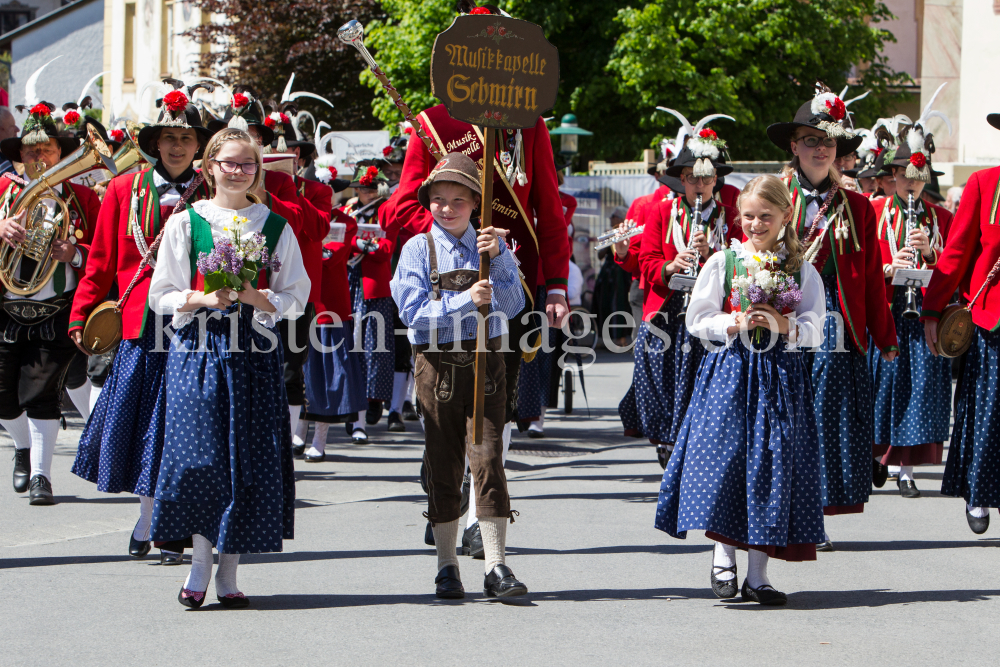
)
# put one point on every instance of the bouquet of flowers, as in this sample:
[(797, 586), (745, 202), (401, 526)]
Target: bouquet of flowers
[(765, 284), (236, 260)]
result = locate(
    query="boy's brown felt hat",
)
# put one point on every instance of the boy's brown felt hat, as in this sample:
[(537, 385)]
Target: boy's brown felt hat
[(455, 167)]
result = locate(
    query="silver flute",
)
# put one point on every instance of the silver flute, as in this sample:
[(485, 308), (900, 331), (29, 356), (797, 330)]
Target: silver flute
[(611, 237)]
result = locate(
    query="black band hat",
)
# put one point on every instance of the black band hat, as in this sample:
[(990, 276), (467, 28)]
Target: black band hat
[(825, 112), (176, 111), (370, 174), (244, 111), (38, 128)]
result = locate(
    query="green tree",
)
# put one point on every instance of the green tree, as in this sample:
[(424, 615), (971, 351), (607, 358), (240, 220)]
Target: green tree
[(756, 60)]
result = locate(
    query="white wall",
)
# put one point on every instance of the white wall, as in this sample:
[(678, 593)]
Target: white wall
[(76, 35), (979, 143)]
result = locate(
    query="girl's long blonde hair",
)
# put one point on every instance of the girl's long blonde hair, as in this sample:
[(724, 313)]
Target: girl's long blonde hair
[(215, 145), (772, 190)]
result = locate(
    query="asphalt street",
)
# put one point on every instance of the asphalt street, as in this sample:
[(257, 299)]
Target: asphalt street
[(908, 583)]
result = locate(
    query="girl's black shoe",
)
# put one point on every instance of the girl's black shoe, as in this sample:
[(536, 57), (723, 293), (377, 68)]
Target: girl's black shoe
[(234, 601), (765, 595), (192, 599), (724, 588), (880, 474), (977, 524)]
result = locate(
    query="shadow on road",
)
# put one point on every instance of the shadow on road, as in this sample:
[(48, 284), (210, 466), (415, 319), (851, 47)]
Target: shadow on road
[(827, 600)]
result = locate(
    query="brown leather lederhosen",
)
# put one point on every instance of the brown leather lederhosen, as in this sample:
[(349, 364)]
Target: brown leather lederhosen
[(445, 381)]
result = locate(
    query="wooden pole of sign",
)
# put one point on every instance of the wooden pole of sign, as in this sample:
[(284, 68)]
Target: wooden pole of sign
[(484, 272)]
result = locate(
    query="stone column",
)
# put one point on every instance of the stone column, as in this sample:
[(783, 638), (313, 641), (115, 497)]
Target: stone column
[(941, 62)]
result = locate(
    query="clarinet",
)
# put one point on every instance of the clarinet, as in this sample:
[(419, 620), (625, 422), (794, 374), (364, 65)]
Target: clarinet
[(911, 312), (693, 270)]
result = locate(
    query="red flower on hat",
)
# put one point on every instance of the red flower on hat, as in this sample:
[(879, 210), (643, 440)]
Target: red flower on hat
[(269, 122), (370, 174), (41, 110), (386, 151), (408, 130), (480, 10), (284, 118), (708, 134), (918, 160), (175, 100), (836, 109), (333, 172), (878, 151), (117, 135), (240, 100), (71, 117)]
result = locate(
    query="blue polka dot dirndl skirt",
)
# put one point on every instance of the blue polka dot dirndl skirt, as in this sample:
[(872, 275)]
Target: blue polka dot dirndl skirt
[(121, 444), (378, 366), (226, 471), (912, 395), (745, 466), (335, 379), (973, 468), (666, 365), (842, 384), (533, 380)]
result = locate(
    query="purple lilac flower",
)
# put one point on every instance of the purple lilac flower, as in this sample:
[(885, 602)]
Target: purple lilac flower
[(230, 260), (275, 265), (208, 262), (734, 299), (756, 295)]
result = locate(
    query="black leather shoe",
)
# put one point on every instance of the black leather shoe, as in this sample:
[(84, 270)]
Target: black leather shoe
[(40, 492), (192, 599), (472, 543), (765, 595), (359, 437), (907, 488), (22, 469), (978, 525), (535, 433), (429, 535), (724, 589), (825, 545), (663, 455), (501, 583), (312, 458), (466, 490), (171, 558), (409, 414), (234, 601), (374, 413), (138, 548), (298, 450), (880, 474), (448, 584), (396, 423)]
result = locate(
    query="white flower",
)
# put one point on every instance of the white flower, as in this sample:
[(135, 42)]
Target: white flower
[(742, 283), (764, 279)]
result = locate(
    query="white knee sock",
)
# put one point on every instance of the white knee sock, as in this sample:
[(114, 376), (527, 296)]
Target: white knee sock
[(225, 575), (507, 430), (757, 569), (399, 382), (299, 434), (81, 399), (723, 556), (893, 470), (445, 540), (295, 411), (43, 444), (201, 565), (141, 531), (319, 439), (906, 473), (95, 393), (494, 531), (360, 424), (18, 431), (410, 383), (539, 423), (978, 512)]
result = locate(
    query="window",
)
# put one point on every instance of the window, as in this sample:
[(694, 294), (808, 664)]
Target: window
[(129, 69), (14, 14), (166, 32)]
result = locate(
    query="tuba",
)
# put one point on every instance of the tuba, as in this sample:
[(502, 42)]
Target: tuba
[(42, 227)]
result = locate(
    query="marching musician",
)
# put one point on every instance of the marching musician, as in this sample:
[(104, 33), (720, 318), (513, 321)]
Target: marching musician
[(969, 262), (121, 445), (35, 349), (838, 230)]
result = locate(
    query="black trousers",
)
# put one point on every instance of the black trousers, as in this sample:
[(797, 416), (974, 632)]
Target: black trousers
[(33, 372), (295, 379)]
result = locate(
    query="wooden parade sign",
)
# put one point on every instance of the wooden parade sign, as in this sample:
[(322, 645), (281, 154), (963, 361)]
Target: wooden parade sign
[(495, 72)]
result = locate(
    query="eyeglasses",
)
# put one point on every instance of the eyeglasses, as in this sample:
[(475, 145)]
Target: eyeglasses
[(227, 167), (691, 179), (812, 141)]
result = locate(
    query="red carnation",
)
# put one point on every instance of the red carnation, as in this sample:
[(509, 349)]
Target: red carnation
[(333, 172), (41, 110), (369, 177), (284, 118), (918, 160), (480, 10), (878, 151), (270, 123), (386, 151), (708, 134), (71, 117), (490, 30), (175, 100), (836, 109), (501, 31), (240, 100), (408, 130), (117, 135)]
